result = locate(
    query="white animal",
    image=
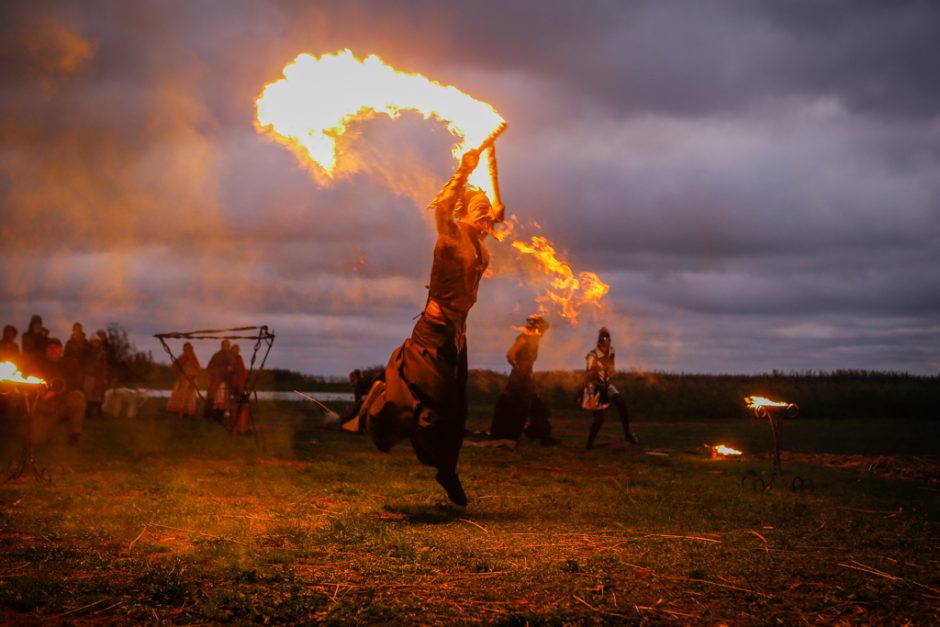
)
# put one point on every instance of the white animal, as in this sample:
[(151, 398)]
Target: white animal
[(123, 402)]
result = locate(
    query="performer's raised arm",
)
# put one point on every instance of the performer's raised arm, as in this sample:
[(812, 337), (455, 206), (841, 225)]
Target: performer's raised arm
[(445, 202)]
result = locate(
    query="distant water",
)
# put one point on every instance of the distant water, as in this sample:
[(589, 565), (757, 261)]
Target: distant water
[(280, 396)]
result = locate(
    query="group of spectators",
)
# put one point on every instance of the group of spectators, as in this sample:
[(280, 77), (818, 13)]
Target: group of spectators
[(76, 374), (226, 392)]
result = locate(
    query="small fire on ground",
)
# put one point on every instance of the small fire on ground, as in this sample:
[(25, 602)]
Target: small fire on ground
[(720, 451)]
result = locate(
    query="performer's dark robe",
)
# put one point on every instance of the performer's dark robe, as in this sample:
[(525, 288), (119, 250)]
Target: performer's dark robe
[(425, 387)]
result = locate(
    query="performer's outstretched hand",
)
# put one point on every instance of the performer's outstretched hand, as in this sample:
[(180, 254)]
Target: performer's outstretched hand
[(469, 161)]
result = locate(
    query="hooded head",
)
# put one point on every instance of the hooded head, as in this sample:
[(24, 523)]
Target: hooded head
[(478, 210), (477, 206), (536, 323), (603, 337)]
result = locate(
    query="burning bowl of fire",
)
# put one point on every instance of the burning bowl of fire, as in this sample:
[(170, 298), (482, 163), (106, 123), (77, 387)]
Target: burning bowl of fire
[(11, 375), (763, 407)]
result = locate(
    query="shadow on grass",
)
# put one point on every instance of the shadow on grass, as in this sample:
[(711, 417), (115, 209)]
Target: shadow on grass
[(445, 513), (426, 514)]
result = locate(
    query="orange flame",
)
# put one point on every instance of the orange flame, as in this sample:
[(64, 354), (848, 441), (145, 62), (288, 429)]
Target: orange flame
[(721, 449), (313, 105), (755, 402), (317, 99), (569, 292), (11, 374)]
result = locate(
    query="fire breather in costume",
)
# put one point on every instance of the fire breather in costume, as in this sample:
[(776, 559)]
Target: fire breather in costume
[(519, 408)]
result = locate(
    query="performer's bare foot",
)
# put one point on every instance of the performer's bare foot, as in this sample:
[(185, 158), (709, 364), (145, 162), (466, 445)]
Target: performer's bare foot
[(451, 483)]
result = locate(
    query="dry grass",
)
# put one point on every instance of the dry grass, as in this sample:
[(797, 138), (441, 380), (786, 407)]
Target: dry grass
[(156, 522)]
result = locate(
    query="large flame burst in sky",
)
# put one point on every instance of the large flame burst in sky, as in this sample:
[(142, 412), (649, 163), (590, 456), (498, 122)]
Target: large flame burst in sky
[(317, 99)]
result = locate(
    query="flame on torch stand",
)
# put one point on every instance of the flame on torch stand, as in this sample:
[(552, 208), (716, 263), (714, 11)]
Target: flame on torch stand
[(9, 373), (312, 106), (762, 406), (754, 402), (766, 408)]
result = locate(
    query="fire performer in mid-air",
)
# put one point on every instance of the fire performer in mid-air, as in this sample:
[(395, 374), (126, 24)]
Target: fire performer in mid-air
[(424, 394)]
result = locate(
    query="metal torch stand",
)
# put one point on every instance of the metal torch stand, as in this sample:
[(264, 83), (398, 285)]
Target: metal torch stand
[(774, 416), (27, 461)]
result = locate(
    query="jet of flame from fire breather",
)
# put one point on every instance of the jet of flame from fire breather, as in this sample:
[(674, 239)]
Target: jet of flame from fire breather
[(312, 106), (568, 291)]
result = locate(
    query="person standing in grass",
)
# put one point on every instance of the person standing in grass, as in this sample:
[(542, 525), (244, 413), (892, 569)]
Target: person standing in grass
[(33, 342), (240, 410), (96, 375), (219, 371), (424, 394), (183, 397), (599, 392), (63, 399), (519, 407), (9, 350)]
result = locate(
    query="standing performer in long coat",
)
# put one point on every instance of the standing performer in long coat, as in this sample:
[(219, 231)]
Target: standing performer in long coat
[(219, 373), (519, 406), (183, 397), (424, 395)]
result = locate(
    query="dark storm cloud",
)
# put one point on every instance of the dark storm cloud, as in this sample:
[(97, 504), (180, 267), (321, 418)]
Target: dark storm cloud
[(700, 57), (758, 182)]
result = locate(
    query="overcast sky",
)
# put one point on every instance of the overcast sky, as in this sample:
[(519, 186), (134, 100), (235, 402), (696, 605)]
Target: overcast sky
[(758, 182)]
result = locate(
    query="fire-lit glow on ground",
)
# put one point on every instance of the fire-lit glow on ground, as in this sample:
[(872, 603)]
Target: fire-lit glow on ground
[(205, 528)]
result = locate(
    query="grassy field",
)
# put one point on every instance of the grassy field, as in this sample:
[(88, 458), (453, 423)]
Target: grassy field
[(159, 522)]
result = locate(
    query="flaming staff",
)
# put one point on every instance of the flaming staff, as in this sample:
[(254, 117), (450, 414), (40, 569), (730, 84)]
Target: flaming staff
[(311, 108)]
